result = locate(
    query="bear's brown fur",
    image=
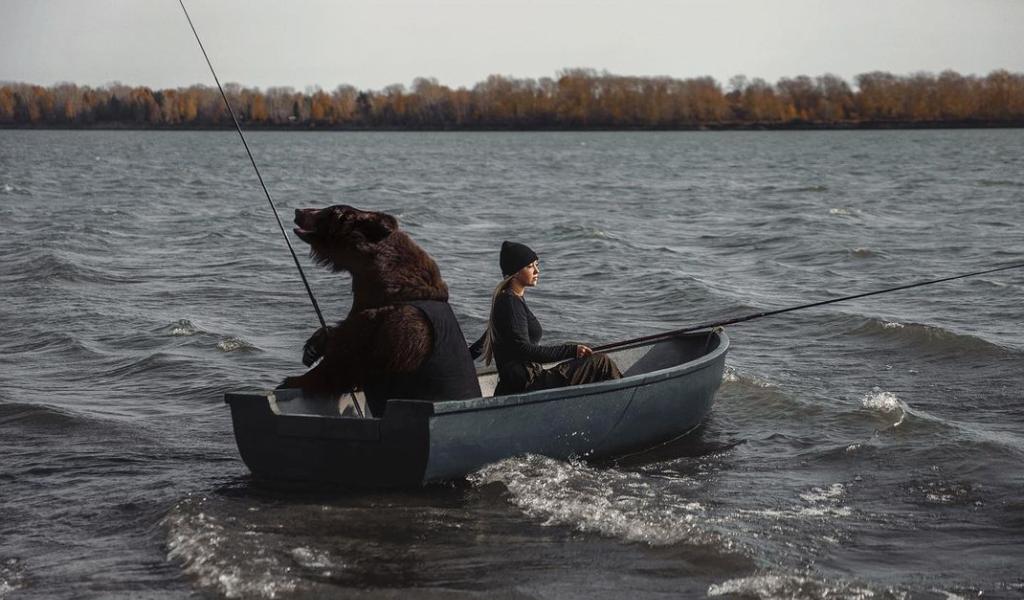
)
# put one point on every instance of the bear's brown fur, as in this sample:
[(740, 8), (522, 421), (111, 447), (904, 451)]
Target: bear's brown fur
[(377, 338)]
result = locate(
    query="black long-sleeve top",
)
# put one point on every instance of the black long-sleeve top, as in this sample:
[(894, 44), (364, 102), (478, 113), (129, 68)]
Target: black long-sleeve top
[(518, 334)]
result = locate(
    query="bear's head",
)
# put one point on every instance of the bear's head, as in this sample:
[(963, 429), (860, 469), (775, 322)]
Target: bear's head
[(342, 237), (386, 265)]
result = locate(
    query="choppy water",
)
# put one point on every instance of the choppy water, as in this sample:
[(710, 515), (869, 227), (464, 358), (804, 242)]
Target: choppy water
[(863, 450)]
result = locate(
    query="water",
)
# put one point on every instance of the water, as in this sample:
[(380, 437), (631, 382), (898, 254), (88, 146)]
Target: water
[(869, 449)]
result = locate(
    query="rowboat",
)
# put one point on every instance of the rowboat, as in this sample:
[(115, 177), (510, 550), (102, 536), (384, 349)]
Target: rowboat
[(667, 389)]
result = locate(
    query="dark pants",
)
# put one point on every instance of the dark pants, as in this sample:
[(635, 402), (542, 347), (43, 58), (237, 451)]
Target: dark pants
[(532, 377)]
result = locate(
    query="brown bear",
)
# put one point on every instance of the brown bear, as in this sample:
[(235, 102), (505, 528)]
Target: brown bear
[(401, 338)]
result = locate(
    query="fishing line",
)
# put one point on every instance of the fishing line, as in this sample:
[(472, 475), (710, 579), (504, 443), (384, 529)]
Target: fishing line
[(295, 258), (751, 317)]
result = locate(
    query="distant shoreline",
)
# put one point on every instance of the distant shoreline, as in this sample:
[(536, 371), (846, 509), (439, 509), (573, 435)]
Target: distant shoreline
[(575, 100), (710, 127)]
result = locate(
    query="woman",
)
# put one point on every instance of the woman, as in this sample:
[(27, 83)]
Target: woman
[(513, 336)]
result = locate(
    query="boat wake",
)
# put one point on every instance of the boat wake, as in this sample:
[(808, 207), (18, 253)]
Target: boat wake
[(798, 586), (609, 502), (641, 507), (218, 556)]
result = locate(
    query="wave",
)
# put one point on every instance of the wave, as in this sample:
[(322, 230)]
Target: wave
[(233, 344), (929, 338), (844, 211), (1000, 183), (806, 189), (200, 543), (823, 504), (886, 403), (864, 253), (580, 232), (10, 189), (732, 375), (39, 415), (560, 235), (798, 586), (30, 340), (11, 577), (608, 502), (51, 266), (183, 328), (143, 375)]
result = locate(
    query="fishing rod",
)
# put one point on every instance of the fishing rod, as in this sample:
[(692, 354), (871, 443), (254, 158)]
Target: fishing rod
[(751, 317), (295, 258)]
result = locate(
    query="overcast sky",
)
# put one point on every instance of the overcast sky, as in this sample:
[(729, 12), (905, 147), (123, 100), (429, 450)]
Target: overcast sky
[(375, 43)]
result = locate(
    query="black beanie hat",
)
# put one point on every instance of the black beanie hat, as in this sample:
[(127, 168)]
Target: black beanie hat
[(515, 256)]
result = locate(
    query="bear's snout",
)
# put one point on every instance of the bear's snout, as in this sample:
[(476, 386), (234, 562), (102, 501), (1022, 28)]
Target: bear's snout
[(305, 218)]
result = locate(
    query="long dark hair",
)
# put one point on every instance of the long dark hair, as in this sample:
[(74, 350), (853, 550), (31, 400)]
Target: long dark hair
[(489, 336)]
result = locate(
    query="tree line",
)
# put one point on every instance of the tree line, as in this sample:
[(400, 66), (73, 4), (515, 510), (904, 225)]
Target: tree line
[(573, 99)]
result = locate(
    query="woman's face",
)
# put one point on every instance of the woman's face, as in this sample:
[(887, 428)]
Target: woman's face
[(527, 276)]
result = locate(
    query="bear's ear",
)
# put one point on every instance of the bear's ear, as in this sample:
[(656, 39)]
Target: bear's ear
[(376, 226)]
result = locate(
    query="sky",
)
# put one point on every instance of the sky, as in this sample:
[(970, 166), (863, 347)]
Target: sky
[(375, 43)]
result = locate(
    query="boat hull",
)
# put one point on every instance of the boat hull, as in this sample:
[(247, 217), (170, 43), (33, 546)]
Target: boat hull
[(281, 436)]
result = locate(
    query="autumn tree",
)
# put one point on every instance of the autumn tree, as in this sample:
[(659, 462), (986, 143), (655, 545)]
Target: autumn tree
[(576, 98)]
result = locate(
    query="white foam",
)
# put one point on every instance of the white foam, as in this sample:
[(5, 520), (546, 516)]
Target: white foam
[(231, 344), (10, 580), (880, 401), (885, 403), (817, 502), (820, 502), (794, 587), (892, 325), (200, 544), (731, 375), (862, 252), (608, 502), (312, 559), (817, 494), (842, 211), (184, 328)]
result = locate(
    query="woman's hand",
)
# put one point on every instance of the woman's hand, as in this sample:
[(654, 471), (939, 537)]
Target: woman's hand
[(582, 351)]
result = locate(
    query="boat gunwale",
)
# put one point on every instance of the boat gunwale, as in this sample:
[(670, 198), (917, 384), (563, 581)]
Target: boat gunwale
[(495, 402), (467, 405)]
